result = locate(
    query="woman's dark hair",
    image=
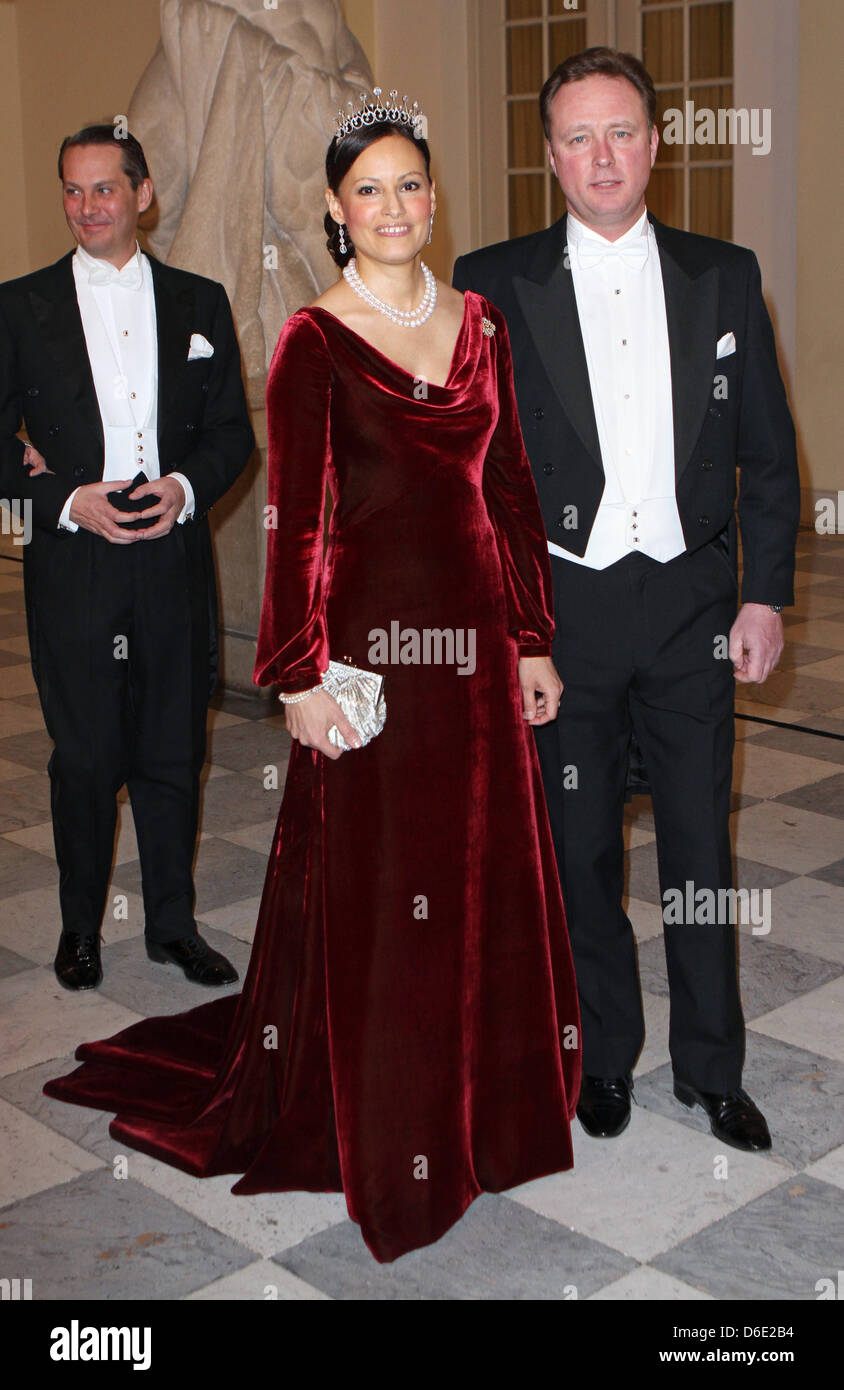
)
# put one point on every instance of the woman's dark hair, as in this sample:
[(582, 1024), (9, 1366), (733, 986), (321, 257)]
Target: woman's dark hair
[(339, 159), (134, 160), (605, 62)]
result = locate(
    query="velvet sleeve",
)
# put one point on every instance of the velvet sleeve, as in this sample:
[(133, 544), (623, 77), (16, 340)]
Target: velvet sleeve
[(513, 507), (292, 638)]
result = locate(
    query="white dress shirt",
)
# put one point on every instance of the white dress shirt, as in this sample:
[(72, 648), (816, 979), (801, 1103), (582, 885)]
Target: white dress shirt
[(621, 308), (118, 319)]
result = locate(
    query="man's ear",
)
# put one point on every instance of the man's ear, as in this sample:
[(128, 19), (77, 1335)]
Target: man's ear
[(654, 142), (146, 193)]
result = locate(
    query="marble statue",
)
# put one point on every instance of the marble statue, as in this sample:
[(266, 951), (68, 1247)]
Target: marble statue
[(235, 111)]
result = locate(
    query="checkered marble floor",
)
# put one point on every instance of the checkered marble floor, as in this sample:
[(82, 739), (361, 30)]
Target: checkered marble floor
[(663, 1212)]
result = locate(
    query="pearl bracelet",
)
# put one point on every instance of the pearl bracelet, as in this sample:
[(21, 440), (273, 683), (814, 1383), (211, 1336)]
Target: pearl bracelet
[(297, 699)]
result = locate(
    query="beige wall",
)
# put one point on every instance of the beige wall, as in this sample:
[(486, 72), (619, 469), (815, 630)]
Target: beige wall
[(820, 280), (77, 61), (14, 249)]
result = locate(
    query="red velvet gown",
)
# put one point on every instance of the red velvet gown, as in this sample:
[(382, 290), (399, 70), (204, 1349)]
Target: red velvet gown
[(408, 1029)]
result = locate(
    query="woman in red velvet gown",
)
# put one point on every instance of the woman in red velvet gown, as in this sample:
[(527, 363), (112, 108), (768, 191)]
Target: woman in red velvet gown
[(408, 1030)]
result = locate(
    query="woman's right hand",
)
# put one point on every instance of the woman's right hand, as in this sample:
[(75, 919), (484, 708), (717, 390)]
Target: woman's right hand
[(309, 721)]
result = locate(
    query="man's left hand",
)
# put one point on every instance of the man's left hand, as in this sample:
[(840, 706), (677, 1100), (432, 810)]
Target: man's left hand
[(172, 496), (756, 642)]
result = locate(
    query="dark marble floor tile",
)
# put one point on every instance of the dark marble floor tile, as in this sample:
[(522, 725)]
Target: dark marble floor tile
[(24, 801), (830, 873), (776, 1247), (249, 707), (800, 1093), (498, 1250), (801, 654), (130, 978), (793, 690), (140, 1246), (241, 746), (224, 874), (11, 659), (770, 974), (12, 624), (32, 749), (792, 741), (825, 797), (22, 869), (12, 964), (231, 802)]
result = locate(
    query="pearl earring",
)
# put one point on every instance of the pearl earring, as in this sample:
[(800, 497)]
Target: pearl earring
[(430, 230), (342, 240)]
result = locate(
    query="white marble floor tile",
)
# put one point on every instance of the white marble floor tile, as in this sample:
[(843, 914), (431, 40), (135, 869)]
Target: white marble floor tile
[(830, 1168), (765, 772), (635, 835), (219, 719), (815, 1021), (41, 1020), (35, 837), (30, 924), (650, 1188), (258, 837), (33, 1157), (787, 837), (830, 670), (238, 918), (262, 1281), (807, 915), (646, 1285), (646, 918), (126, 841), (266, 1223), (655, 1051)]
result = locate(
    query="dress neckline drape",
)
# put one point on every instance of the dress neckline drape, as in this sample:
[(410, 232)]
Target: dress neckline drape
[(464, 339)]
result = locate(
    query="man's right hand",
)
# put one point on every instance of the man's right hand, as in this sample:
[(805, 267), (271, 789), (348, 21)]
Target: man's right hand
[(92, 510)]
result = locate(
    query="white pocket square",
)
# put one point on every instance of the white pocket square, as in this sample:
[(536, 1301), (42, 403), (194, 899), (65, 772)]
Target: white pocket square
[(199, 347), (726, 345)]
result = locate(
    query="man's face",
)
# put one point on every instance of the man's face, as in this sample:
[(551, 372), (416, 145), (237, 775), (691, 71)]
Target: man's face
[(601, 151), (100, 204)]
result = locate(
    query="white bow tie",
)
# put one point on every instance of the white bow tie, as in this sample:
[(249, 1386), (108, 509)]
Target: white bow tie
[(131, 277), (633, 254)]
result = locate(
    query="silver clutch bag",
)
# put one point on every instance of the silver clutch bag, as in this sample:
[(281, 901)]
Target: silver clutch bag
[(360, 695)]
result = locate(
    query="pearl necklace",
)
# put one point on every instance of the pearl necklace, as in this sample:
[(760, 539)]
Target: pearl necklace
[(405, 319)]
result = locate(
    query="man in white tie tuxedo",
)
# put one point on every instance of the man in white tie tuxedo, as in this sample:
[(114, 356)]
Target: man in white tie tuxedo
[(126, 374), (646, 375)]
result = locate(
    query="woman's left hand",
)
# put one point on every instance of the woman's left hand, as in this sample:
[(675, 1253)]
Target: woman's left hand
[(541, 689)]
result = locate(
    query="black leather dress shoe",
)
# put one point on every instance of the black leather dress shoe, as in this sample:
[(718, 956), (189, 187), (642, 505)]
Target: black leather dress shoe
[(201, 964), (604, 1105), (77, 964), (733, 1117)]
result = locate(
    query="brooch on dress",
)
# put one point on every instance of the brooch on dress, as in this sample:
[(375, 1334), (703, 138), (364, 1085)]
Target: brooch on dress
[(488, 326)]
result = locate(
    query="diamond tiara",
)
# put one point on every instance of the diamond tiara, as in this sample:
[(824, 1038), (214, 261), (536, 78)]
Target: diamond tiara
[(369, 113)]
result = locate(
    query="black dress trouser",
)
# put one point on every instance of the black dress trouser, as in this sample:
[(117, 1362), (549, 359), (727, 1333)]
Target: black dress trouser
[(120, 651), (640, 646)]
